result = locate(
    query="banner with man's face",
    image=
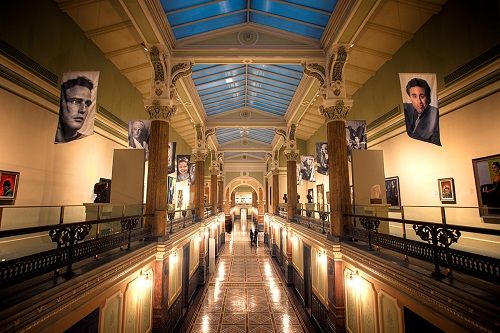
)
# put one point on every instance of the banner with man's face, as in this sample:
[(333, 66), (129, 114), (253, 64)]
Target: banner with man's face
[(355, 131), (420, 106), (77, 106), (138, 135)]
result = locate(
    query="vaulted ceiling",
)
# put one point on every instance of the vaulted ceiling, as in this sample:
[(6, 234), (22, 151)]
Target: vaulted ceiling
[(247, 76)]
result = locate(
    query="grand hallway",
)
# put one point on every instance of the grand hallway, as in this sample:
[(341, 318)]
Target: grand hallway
[(246, 293)]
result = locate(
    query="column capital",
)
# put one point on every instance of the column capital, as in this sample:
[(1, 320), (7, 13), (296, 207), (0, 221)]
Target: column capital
[(336, 109), (159, 109), (275, 167), (214, 168), (291, 154), (200, 154)]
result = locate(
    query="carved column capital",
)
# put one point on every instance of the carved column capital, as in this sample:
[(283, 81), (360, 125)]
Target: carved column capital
[(160, 109), (337, 111), (275, 167), (291, 154), (214, 168), (200, 154)]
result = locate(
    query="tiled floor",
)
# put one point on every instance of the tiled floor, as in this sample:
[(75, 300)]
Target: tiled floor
[(245, 294)]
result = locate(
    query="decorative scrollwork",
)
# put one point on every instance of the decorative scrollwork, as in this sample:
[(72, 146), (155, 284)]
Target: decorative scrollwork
[(338, 66), (159, 74), (161, 112), (338, 111), (291, 154), (179, 70), (129, 223), (69, 235), (369, 223), (437, 235), (199, 155), (316, 71)]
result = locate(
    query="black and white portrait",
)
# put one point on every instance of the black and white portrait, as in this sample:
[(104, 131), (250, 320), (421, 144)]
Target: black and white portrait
[(355, 131), (322, 157), (77, 106), (420, 106), (307, 168), (183, 167), (138, 135), (171, 156), (192, 173)]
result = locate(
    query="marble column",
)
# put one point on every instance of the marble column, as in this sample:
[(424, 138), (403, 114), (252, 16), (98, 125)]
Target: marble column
[(220, 187), (340, 199), (214, 171), (291, 181), (156, 203), (199, 181), (276, 189)]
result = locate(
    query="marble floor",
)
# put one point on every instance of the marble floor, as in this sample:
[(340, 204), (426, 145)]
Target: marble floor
[(245, 293)]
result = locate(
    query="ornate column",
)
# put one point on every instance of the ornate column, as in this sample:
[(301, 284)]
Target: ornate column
[(160, 107), (200, 154), (292, 155), (335, 109), (276, 186), (220, 187), (214, 172)]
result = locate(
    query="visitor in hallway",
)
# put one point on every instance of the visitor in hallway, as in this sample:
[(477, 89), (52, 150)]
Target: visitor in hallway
[(251, 237)]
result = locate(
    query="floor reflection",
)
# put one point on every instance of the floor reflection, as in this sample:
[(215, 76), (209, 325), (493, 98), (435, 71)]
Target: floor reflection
[(245, 294)]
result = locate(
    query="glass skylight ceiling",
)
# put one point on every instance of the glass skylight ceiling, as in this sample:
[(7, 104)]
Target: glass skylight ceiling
[(268, 88), (225, 135), (304, 17)]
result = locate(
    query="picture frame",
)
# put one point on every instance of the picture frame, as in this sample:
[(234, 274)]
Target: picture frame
[(310, 195), (392, 193), (9, 181), (446, 187), (487, 179), (320, 195)]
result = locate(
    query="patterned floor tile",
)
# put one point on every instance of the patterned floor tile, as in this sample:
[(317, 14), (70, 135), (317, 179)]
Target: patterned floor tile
[(233, 329), (260, 319), (261, 329), (204, 329), (234, 318), (290, 329), (208, 318)]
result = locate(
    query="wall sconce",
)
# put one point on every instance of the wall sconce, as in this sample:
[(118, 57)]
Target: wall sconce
[(322, 256), (284, 233), (173, 256), (354, 279), (143, 281)]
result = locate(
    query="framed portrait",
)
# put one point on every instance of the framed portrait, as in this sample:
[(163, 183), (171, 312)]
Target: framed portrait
[(310, 195), (447, 190), (392, 193), (192, 173), (320, 195), (183, 167), (9, 181), (487, 177)]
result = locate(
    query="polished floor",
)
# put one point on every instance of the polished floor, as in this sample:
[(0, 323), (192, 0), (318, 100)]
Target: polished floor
[(246, 293)]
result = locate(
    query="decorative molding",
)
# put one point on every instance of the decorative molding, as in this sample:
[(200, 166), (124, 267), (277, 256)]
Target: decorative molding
[(292, 154), (199, 155), (248, 37), (157, 111), (338, 111), (180, 70)]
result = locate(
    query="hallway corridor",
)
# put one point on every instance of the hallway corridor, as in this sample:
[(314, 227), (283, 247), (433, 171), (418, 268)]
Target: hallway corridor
[(245, 294)]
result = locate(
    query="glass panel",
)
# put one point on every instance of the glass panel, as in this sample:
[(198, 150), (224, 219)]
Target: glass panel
[(205, 11), (293, 12), (25, 217), (326, 5), (217, 83), (203, 70), (273, 89), (286, 25), (169, 5), (209, 25), (292, 71), (221, 76)]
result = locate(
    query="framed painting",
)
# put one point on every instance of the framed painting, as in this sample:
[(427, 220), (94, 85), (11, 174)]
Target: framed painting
[(446, 188), (320, 195), (310, 195), (392, 193), (487, 177), (9, 181)]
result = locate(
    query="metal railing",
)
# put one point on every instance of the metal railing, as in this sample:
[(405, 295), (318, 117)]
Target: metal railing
[(318, 220), (179, 219), (434, 247), (74, 242)]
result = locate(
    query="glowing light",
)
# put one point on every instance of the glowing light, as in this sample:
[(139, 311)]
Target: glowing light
[(354, 281), (143, 282), (295, 239), (173, 257)]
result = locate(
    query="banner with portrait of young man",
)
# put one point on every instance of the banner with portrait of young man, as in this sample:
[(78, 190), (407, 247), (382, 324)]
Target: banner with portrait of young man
[(355, 131), (322, 157), (307, 171), (77, 107), (419, 91)]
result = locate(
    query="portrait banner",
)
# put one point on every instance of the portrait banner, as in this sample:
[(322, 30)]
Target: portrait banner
[(171, 156), (138, 135), (78, 105), (420, 104), (192, 173), (322, 157), (355, 131), (183, 167), (307, 168)]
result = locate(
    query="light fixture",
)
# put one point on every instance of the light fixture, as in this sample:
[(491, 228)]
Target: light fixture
[(354, 280), (352, 45), (143, 281), (144, 47), (173, 256)]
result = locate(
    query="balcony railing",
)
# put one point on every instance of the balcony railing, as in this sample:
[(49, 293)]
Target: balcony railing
[(71, 242)]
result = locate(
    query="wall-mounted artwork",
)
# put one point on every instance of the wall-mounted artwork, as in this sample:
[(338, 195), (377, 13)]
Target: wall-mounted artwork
[(77, 107), (320, 195), (392, 193), (183, 167), (487, 176), (447, 190), (171, 189), (192, 173), (307, 168), (420, 103), (322, 157), (171, 156), (355, 131), (9, 181), (310, 195)]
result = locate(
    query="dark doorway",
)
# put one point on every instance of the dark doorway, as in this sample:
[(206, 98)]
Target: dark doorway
[(89, 324)]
